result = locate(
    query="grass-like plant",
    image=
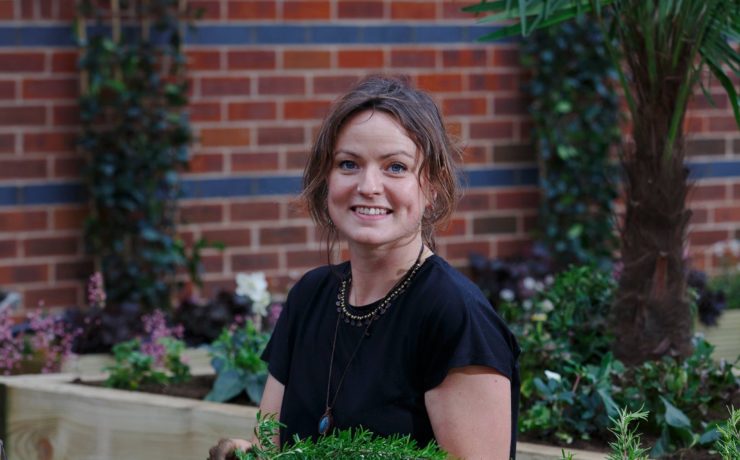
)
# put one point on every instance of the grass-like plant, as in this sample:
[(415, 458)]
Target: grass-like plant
[(345, 444)]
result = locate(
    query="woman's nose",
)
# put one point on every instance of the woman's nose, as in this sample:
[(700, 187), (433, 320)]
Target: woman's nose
[(369, 183)]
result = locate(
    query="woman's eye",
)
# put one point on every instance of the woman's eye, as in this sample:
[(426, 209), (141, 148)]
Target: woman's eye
[(347, 164), (397, 168)]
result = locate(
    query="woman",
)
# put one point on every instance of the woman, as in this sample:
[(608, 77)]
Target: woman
[(395, 339)]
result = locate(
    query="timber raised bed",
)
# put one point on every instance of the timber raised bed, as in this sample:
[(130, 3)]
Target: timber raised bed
[(725, 336), (46, 417)]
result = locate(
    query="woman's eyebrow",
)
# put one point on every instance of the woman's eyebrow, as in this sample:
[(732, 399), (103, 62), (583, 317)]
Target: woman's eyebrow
[(383, 156)]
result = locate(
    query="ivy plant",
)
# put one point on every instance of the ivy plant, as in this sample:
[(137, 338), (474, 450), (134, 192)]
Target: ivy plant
[(574, 107), (135, 136)]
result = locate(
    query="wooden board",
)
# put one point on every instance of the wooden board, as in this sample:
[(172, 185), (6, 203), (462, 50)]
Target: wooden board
[(725, 336)]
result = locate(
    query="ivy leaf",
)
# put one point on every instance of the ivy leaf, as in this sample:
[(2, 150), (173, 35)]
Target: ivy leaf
[(674, 416)]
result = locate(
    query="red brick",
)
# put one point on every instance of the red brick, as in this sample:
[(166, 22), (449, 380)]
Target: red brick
[(8, 249), (306, 109), (464, 58), (440, 82), (477, 154), (531, 224), (231, 238), (21, 62), (68, 167), (736, 191), (452, 9), (26, 10), (51, 297), (77, 270), (466, 106), (358, 9), (464, 250), (722, 124), (7, 143), (494, 225), (413, 10), (64, 62), (493, 82), (274, 135), (360, 59), (700, 102), (51, 88), (251, 60), (266, 161), (707, 192), (514, 153), (254, 261), (507, 105), (521, 199), (699, 216), (203, 60), (456, 227), (213, 263), (50, 246), (305, 258), (416, 58), (7, 89), (513, 247), (705, 146), (283, 235), (255, 210), (47, 142), (23, 169), (475, 202), (251, 9), (281, 85), (296, 159), (45, 9), (203, 163), (72, 218), (205, 111), (306, 10), (6, 10), (727, 214), (18, 274), (26, 115), (65, 115), (225, 86), (19, 221), (707, 237), (333, 84), (222, 137), (210, 8), (506, 57), (67, 11), (263, 110), (201, 213), (306, 59), (492, 130)]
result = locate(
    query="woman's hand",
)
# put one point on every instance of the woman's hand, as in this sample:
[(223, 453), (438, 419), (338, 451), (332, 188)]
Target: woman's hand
[(226, 449)]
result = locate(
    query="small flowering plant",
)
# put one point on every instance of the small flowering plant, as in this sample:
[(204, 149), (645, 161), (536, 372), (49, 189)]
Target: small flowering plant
[(152, 359), (40, 343)]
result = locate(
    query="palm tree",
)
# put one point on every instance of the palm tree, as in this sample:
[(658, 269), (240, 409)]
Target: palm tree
[(667, 48)]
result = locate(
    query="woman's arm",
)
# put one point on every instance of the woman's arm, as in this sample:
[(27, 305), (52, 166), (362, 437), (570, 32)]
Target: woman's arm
[(470, 412), (272, 400)]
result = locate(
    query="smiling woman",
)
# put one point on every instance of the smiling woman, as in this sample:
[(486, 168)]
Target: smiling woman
[(394, 340)]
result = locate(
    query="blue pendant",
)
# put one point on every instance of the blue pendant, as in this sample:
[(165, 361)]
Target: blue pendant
[(325, 422)]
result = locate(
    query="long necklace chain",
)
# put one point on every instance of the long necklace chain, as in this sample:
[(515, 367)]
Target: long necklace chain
[(326, 422)]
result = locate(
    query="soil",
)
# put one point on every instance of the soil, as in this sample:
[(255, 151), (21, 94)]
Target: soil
[(199, 386)]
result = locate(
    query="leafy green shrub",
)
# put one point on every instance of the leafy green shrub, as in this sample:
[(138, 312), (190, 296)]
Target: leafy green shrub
[(235, 356), (134, 368), (346, 445)]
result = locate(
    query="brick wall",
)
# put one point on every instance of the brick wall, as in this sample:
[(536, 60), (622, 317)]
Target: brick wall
[(263, 75)]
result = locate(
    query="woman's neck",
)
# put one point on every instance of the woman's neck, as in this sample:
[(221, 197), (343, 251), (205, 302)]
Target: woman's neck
[(375, 271)]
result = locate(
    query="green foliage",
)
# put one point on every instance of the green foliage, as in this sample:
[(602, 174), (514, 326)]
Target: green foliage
[(135, 137), (134, 368), (575, 113), (235, 356), (627, 443), (728, 443), (345, 444)]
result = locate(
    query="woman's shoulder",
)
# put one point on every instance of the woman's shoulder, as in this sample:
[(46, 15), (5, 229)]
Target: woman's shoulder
[(317, 278), (443, 281)]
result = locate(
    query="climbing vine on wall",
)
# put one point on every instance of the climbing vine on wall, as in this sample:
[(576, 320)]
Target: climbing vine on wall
[(135, 136)]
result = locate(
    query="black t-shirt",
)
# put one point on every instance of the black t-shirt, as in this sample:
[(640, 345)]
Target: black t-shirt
[(442, 321)]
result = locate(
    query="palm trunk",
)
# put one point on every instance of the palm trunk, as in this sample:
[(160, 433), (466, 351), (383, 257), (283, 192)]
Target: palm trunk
[(652, 314)]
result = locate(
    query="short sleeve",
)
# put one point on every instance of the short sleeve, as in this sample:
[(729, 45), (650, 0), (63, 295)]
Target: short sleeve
[(462, 330), (277, 353)]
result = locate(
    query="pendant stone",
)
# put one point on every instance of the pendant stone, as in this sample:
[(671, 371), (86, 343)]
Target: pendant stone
[(325, 422)]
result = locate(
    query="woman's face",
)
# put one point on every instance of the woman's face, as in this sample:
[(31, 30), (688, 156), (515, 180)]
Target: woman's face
[(374, 193)]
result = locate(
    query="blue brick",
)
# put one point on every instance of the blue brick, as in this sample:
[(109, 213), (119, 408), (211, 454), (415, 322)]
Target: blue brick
[(386, 34), (222, 35), (281, 34), (334, 34), (500, 177), (52, 194), (440, 34), (8, 196), (714, 169)]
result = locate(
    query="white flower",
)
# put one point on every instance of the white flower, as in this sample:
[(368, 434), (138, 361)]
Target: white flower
[(506, 294), (528, 283), (527, 304), (719, 248), (735, 247), (539, 286), (549, 279), (547, 305), (552, 376), (254, 286)]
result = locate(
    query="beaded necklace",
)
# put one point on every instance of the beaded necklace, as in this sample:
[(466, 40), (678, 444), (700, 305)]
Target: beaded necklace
[(326, 422)]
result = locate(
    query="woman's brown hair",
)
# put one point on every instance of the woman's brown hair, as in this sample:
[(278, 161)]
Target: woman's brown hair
[(417, 113)]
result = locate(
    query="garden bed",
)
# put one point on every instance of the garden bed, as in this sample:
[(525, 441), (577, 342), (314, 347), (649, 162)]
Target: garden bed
[(49, 417)]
